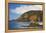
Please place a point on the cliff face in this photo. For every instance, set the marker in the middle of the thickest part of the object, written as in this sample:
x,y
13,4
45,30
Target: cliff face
x,y
25,17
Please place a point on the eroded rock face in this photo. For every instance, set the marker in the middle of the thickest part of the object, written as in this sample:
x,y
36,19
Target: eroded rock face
x,y
33,15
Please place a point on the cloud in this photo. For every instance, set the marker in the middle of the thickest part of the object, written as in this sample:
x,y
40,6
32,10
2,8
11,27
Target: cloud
x,y
25,8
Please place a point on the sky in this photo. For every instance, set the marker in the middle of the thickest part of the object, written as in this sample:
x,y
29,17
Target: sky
x,y
16,10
